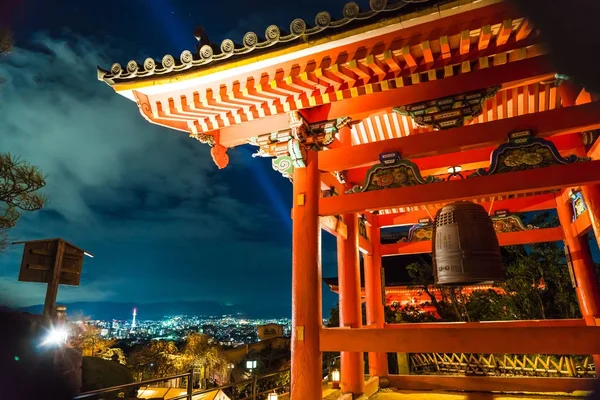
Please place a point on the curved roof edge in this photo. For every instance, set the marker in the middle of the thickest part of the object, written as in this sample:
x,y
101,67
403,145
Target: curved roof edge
x,y
274,38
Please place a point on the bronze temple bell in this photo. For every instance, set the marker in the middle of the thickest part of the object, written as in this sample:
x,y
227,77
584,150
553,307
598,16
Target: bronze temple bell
x,y
465,246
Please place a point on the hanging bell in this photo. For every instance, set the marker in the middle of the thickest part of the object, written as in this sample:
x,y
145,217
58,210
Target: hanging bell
x,y
465,246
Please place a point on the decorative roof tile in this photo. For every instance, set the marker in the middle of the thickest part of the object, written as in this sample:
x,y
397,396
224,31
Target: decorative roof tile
x,y
274,37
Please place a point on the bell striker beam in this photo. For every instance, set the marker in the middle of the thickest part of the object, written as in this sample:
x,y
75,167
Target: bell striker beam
x,y
306,283
378,365
580,259
352,363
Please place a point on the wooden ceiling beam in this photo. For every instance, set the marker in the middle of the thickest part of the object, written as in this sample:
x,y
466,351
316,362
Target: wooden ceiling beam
x,y
504,238
409,59
358,108
543,124
524,30
527,181
506,74
506,29
516,205
427,52
465,42
445,47
484,37
468,159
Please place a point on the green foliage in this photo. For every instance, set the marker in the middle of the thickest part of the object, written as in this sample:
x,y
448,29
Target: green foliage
x,y
268,360
19,186
538,286
199,354
153,360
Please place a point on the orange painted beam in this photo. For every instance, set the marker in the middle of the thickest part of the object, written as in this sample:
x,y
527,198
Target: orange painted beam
x,y
532,323
491,383
505,239
485,339
365,245
582,225
468,159
358,108
506,74
594,152
236,134
527,181
522,204
470,137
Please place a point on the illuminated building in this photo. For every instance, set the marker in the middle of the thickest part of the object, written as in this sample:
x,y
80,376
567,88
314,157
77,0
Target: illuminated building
x,y
367,115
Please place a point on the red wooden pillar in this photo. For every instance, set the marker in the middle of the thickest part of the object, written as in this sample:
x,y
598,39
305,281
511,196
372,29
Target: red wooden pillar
x,y
591,196
306,377
378,365
352,363
588,292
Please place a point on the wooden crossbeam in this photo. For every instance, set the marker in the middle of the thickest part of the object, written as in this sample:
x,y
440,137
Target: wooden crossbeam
x,y
484,339
582,225
547,123
521,204
505,239
468,159
491,383
527,181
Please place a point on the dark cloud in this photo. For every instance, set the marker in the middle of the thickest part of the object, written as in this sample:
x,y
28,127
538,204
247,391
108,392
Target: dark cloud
x,y
147,201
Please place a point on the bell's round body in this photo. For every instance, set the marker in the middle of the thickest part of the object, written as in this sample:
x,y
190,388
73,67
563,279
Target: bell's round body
x,y
465,246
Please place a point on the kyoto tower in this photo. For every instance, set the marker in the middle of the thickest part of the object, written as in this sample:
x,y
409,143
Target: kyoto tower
x,y
133,320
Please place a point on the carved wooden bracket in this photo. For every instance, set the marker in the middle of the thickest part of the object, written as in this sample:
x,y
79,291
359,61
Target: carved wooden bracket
x,y
522,152
448,112
393,174
289,146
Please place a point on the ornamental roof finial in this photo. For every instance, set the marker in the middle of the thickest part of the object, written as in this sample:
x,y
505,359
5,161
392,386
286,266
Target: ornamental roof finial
x,y
201,36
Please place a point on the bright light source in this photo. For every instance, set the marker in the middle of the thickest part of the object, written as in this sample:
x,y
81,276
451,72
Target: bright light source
x,y
56,336
335,378
455,170
250,364
273,396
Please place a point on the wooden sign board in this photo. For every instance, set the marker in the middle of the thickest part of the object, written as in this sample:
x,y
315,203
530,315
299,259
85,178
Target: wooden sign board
x,y
39,259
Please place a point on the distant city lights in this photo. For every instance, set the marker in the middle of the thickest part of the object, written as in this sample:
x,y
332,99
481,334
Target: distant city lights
x,y
225,330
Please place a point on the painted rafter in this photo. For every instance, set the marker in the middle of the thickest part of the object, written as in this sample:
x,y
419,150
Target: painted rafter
x,y
243,102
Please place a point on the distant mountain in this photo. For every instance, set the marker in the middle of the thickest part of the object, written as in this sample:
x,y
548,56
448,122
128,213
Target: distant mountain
x,y
122,311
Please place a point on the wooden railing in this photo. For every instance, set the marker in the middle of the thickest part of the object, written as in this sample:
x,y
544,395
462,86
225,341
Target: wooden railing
x,y
536,365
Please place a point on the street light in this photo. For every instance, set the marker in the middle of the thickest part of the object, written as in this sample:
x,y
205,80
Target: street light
x,y
251,364
56,336
273,396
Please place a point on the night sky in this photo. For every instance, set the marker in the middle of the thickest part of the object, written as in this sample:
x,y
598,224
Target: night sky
x,y
163,223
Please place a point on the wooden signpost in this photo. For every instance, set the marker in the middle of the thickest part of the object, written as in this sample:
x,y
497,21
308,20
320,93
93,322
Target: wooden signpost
x,y
52,261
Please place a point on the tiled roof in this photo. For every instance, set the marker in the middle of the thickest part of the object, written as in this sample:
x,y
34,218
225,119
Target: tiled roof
x,y
274,37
